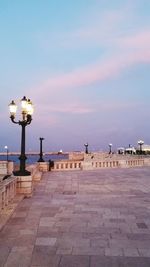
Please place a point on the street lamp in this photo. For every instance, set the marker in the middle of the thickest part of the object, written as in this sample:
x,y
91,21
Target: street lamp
x,y
41,152
6,147
140,143
27,111
110,148
86,148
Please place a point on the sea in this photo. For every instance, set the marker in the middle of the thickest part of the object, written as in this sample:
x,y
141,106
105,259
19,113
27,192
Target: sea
x,y
34,158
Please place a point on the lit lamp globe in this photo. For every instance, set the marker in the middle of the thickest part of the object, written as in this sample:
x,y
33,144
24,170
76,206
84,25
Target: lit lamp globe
x,y
12,108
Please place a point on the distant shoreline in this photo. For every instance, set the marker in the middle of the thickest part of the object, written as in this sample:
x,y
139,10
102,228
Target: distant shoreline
x,y
33,153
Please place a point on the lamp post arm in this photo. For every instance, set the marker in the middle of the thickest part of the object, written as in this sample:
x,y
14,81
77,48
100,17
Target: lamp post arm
x,y
29,119
13,119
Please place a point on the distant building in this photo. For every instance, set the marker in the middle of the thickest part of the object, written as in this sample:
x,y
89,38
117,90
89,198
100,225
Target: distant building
x,y
146,149
128,150
121,150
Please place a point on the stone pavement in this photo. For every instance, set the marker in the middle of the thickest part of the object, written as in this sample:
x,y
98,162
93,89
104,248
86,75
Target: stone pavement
x,y
81,219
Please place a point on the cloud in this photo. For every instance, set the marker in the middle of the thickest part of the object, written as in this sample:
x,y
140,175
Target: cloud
x,y
71,108
127,50
104,70
139,40
94,27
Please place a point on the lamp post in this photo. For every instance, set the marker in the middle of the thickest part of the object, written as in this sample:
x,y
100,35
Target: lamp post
x,y
41,151
27,111
6,147
140,143
86,148
110,148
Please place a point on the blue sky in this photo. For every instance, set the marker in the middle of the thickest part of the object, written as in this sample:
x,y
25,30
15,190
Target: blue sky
x,y
85,64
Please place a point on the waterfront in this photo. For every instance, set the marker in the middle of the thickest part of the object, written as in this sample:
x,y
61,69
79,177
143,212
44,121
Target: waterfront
x,y
32,158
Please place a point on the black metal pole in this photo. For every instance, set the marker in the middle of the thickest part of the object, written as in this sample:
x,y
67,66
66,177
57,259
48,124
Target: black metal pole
x,y
41,151
7,154
140,148
7,160
22,171
109,149
86,148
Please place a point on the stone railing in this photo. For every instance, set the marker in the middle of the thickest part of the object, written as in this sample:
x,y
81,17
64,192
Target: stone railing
x,y
6,167
7,191
62,165
115,163
67,165
92,164
18,185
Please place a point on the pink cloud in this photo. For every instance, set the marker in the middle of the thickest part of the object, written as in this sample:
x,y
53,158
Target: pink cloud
x,y
131,50
96,72
74,109
139,40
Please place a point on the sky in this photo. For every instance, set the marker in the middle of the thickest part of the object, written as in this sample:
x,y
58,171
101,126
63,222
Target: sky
x,y
85,65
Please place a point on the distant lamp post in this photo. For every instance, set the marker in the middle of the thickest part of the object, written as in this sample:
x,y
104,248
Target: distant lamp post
x,y
6,147
140,143
41,151
86,148
27,111
110,148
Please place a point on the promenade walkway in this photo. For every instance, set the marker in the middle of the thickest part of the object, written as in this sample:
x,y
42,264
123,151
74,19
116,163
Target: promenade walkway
x,y
81,219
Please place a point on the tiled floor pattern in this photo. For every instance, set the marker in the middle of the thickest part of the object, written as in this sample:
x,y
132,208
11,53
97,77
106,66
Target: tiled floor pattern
x,y
82,219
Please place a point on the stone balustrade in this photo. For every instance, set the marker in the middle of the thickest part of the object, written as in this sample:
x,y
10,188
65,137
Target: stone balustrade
x,y
18,185
91,164
117,163
7,191
62,165
6,167
66,165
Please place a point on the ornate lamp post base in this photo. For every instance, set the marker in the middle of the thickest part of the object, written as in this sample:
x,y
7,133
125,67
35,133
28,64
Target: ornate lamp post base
x,y
21,173
41,160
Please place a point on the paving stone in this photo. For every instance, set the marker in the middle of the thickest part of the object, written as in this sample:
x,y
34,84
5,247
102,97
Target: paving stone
x,y
74,261
131,252
45,241
19,256
4,252
64,251
45,256
113,251
81,250
46,221
101,243
144,252
98,261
